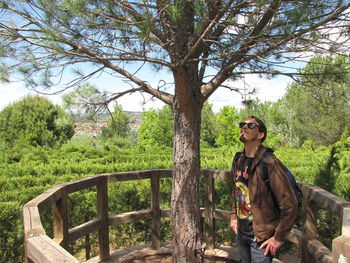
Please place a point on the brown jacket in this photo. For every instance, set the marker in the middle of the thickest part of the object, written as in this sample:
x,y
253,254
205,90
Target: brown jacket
x,y
273,204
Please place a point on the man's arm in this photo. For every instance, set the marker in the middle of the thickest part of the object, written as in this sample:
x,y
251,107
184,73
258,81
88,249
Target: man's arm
x,y
284,197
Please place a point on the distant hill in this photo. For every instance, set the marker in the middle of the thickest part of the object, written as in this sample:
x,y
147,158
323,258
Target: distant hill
x,y
93,128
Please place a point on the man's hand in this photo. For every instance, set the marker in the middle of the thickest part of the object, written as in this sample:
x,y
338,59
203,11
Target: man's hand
x,y
272,246
233,225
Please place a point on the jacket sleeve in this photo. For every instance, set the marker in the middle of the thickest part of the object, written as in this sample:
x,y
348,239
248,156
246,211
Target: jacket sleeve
x,y
284,197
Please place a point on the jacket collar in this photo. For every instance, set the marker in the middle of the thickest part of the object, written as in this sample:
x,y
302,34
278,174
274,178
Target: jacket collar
x,y
258,156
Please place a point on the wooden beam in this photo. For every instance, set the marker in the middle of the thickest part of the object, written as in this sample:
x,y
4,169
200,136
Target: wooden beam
x,y
155,207
31,222
42,249
209,230
319,252
102,214
45,200
83,230
294,236
83,183
130,217
222,214
60,220
309,232
325,199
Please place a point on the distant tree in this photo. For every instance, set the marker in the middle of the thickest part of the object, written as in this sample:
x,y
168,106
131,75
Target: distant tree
x,y
201,44
85,101
118,128
319,102
156,128
118,124
35,121
228,119
209,125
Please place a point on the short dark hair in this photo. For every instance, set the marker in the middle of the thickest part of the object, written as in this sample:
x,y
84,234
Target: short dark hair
x,y
262,126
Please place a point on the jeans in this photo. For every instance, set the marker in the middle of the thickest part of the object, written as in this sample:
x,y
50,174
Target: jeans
x,y
249,250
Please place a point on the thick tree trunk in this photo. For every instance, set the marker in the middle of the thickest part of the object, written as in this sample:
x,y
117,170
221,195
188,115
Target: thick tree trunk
x,y
186,165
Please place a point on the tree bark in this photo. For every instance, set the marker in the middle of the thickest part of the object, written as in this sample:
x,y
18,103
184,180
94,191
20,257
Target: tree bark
x,y
186,168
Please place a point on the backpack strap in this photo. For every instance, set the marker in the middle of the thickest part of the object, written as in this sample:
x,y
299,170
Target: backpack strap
x,y
236,160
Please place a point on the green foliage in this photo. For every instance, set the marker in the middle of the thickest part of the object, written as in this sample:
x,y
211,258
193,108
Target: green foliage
x,y
85,100
118,124
118,130
34,121
209,126
319,103
156,129
228,119
341,169
11,238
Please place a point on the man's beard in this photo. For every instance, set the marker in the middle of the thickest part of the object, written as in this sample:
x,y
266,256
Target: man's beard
x,y
242,139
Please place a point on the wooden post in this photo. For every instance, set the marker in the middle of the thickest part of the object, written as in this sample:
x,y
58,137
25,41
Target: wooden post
x,y
209,212
102,213
155,206
60,220
309,219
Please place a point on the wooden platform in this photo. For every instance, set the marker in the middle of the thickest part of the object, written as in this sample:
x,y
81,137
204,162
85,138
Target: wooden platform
x,y
144,254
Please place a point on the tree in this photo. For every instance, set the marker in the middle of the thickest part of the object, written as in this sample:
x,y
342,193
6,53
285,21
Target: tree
x,y
228,119
85,101
118,128
319,101
201,44
156,129
35,121
209,125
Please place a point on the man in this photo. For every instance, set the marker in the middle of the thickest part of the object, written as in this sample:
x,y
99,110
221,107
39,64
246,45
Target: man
x,y
264,206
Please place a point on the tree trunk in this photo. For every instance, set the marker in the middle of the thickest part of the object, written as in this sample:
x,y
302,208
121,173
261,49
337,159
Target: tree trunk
x,y
185,210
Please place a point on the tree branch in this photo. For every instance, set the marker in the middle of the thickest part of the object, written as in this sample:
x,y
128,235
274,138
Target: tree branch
x,y
238,58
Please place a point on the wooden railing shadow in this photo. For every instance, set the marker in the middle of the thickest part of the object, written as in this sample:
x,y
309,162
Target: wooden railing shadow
x,y
41,248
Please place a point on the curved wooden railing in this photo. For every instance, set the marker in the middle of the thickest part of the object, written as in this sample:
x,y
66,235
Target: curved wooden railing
x,y
40,248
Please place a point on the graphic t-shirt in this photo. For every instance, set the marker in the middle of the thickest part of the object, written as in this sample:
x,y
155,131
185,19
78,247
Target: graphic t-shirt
x,y
244,213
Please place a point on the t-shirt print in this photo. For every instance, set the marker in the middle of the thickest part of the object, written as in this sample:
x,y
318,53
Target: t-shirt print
x,y
242,192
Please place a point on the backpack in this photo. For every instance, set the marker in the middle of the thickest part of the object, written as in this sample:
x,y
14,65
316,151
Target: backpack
x,y
297,192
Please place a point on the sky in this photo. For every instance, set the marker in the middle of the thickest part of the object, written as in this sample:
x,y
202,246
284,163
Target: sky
x,y
266,90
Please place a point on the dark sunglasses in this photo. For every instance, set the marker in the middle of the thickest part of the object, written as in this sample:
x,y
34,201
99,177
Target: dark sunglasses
x,y
250,125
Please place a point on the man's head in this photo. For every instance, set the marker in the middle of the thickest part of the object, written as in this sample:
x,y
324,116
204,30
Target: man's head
x,y
253,128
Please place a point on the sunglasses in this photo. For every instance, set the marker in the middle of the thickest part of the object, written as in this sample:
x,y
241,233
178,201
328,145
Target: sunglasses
x,y
250,125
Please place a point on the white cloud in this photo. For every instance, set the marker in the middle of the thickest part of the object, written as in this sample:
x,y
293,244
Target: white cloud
x,y
14,91
266,90
138,102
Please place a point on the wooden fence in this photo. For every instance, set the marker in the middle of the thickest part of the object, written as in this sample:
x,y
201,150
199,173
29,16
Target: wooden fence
x,y
40,248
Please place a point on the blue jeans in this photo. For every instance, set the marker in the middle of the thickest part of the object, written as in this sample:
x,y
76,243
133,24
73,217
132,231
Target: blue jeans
x,y
249,250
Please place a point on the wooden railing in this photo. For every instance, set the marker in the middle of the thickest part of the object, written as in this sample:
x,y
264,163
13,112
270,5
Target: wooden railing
x,y
40,248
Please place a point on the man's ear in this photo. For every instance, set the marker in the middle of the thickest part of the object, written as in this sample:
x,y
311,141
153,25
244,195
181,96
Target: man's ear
x,y
261,135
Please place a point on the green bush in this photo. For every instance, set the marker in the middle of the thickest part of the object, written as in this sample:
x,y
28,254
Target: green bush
x,y
35,121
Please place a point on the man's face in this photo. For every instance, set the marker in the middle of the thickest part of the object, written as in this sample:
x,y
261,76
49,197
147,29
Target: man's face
x,y
250,131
